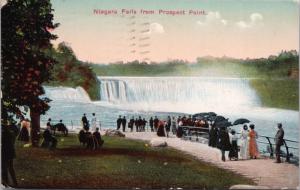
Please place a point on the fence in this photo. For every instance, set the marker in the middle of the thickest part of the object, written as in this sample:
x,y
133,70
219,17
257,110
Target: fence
x,y
188,132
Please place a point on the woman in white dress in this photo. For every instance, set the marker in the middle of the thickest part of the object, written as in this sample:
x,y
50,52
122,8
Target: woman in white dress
x,y
244,152
94,122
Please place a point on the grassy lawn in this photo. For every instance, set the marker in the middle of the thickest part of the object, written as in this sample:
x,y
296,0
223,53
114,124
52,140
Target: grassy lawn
x,y
121,163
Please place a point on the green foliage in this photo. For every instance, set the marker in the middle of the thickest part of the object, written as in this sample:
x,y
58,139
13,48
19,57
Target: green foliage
x,y
141,69
116,166
26,27
277,93
69,71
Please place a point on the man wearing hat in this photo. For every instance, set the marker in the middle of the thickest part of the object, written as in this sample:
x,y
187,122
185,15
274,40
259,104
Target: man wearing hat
x,y
278,142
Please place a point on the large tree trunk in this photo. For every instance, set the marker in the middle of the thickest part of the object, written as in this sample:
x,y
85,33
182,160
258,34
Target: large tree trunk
x,y
35,128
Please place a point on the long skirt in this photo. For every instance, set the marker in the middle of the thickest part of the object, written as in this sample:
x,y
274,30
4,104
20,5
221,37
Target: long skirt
x,y
24,135
253,149
233,153
244,149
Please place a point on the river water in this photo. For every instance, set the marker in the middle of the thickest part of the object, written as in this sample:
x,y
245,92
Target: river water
x,y
163,96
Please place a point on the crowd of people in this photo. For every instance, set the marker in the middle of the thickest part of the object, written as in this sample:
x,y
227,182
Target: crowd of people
x,y
224,138
171,124
89,136
227,140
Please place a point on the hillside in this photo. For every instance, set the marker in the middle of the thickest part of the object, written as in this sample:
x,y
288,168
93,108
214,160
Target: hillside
x,y
71,72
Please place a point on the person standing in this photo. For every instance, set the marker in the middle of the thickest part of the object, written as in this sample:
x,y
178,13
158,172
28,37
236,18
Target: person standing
x,y
151,124
124,121
8,153
85,122
244,153
161,129
144,124
24,133
224,142
119,121
156,123
213,134
253,149
52,128
234,152
131,123
140,124
167,127
173,123
97,137
94,122
278,142
136,123
169,123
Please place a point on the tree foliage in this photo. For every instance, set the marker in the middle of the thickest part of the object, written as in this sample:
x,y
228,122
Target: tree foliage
x,y
26,35
69,71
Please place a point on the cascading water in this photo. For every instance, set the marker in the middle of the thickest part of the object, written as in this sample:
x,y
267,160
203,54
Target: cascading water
x,y
67,94
205,93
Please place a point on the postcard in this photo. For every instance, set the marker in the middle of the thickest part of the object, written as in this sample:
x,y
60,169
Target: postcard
x,y
150,94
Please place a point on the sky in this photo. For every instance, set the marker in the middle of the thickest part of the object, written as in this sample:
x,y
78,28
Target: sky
x,y
234,28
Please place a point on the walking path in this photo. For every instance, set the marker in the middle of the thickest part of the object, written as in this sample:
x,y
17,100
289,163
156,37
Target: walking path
x,y
264,171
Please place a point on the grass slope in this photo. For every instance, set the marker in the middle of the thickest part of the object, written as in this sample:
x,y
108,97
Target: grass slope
x,y
117,165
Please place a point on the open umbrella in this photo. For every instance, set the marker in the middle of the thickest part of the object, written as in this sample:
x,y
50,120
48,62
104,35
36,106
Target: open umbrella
x,y
240,121
218,118
223,123
212,114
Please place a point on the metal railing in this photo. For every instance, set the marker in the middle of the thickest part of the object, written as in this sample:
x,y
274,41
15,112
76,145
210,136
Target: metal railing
x,y
189,131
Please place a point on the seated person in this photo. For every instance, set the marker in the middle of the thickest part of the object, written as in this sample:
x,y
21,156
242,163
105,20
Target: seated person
x,y
49,140
82,137
61,127
97,138
90,141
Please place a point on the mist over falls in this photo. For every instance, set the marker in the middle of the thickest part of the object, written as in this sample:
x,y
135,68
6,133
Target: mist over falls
x,y
208,93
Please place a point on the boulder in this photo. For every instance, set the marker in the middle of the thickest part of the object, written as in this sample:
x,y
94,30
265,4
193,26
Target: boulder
x,y
114,133
158,143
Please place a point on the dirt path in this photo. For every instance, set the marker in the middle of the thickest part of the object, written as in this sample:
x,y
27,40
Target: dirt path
x,y
264,171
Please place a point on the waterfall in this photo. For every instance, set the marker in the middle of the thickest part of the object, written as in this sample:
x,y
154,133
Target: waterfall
x,y
203,92
77,94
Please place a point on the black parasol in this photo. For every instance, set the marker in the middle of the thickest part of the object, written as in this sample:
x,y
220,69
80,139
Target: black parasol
x,y
240,121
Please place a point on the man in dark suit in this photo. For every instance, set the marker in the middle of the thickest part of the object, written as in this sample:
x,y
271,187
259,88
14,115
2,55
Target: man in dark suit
x,y
278,142
151,124
8,153
119,121
124,121
85,122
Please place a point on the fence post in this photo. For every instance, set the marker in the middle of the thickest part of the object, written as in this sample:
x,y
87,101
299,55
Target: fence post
x,y
287,151
271,148
72,124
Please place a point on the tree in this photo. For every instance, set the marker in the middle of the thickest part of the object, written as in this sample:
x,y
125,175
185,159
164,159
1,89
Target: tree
x,y
26,35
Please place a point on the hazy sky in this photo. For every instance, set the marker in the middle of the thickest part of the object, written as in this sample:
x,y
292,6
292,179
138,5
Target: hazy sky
x,y
235,28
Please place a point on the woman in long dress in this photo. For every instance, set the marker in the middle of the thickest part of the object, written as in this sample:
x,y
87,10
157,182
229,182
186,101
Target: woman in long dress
x,y
244,153
253,149
24,133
